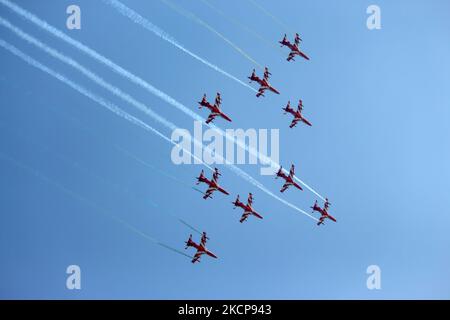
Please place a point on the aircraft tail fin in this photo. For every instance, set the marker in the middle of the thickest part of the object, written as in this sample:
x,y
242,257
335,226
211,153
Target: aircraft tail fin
x,y
200,177
189,242
236,202
279,172
314,206
287,108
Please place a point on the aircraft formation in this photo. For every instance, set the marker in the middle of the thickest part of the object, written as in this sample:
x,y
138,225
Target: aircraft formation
x,y
214,108
289,178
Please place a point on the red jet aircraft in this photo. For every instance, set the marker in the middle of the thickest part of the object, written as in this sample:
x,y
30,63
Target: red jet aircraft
x,y
201,248
215,108
297,114
289,179
323,212
294,47
264,83
213,185
248,210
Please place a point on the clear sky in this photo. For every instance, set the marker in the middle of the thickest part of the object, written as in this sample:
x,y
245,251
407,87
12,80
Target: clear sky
x,y
379,101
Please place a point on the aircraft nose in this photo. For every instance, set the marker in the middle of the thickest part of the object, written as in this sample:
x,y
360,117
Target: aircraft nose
x,y
212,255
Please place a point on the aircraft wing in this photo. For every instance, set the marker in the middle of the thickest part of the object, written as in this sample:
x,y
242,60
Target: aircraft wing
x,y
209,192
292,171
204,239
294,123
197,256
285,186
262,89
326,205
244,217
211,117
250,199
320,221
218,100
291,55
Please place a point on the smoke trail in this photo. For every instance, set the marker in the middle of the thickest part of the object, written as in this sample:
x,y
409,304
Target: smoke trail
x,y
84,71
57,33
122,150
86,201
95,55
132,119
101,179
44,25
167,175
241,25
110,106
189,226
138,19
148,165
284,26
71,162
68,160
196,19
116,91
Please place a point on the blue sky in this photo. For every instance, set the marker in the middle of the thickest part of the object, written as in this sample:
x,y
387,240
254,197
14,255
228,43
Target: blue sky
x,y
378,148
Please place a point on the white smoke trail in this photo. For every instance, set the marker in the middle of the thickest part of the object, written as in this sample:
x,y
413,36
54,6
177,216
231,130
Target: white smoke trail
x,y
243,26
283,25
148,165
116,91
138,19
103,180
95,55
196,19
110,106
80,198
135,79
190,227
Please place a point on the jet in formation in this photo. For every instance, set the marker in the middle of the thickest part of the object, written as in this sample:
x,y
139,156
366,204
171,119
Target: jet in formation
x,y
248,209
214,108
201,248
264,82
323,212
296,113
295,51
213,185
289,179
